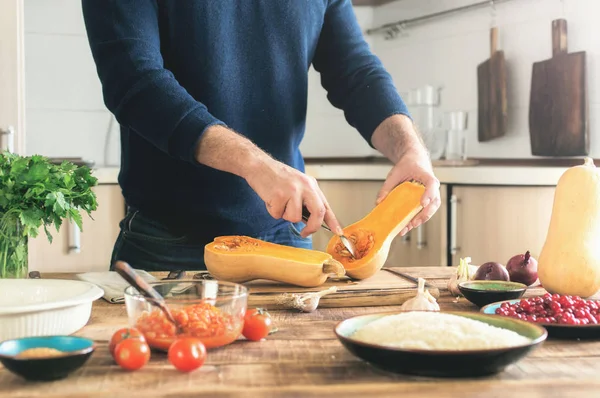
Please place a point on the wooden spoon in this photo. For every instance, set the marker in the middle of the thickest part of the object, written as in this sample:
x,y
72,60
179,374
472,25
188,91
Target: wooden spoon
x,y
148,291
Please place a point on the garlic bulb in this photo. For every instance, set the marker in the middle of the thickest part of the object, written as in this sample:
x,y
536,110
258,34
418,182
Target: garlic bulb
x,y
423,301
305,302
464,272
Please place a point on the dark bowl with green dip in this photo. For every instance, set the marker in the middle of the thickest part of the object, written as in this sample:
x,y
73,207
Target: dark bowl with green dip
x,y
482,293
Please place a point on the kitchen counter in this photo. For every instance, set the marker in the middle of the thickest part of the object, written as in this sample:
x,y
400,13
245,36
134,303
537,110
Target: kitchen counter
x,y
473,172
305,359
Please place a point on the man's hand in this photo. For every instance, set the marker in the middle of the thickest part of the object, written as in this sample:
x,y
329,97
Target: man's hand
x,y
397,139
283,189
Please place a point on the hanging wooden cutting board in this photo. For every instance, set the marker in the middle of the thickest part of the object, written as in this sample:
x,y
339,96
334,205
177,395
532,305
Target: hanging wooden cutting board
x,y
383,288
558,112
492,106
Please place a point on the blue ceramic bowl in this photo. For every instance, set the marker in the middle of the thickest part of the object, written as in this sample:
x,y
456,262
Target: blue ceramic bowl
x,y
75,351
483,293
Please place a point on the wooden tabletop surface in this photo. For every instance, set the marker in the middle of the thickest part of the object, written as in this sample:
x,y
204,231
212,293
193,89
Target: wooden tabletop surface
x,y
304,359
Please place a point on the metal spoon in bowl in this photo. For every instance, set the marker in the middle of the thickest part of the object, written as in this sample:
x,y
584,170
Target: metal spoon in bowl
x,y
345,241
148,291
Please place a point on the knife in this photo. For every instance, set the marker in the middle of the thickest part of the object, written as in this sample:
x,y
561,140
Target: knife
x,y
406,276
345,241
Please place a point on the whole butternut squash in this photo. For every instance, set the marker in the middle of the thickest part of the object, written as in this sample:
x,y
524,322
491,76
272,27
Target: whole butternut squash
x,y
569,262
242,259
373,235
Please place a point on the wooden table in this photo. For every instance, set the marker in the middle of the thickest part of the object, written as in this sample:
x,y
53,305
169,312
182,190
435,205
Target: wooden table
x,y
304,359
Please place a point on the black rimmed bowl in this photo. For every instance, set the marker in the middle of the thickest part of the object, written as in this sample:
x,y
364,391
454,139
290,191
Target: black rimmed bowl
x,y
73,353
482,293
441,363
555,330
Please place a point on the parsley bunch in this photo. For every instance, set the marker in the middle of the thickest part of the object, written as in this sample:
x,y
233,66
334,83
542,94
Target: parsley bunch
x,y
38,193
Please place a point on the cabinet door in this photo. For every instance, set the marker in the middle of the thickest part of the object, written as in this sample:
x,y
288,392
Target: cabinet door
x,y
428,242
91,250
495,223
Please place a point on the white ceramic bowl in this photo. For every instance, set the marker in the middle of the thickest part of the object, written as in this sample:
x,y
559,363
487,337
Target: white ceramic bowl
x,y
44,307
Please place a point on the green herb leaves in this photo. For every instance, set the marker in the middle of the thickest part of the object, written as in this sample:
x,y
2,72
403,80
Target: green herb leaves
x,y
38,193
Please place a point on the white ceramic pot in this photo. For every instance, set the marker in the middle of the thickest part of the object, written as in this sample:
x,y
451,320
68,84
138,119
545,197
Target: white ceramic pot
x,y
44,307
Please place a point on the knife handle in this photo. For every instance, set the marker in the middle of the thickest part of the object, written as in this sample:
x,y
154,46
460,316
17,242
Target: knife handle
x,y
306,215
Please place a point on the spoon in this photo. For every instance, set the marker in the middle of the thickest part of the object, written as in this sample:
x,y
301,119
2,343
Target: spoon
x,y
148,291
345,241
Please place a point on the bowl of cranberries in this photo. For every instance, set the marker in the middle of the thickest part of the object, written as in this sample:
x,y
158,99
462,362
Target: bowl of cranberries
x,y
561,315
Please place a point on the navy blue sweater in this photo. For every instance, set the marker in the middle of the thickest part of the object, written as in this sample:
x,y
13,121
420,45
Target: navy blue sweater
x,y
170,69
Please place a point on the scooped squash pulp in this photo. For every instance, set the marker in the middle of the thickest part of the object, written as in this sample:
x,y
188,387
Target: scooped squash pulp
x,y
569,263
242,259
373,235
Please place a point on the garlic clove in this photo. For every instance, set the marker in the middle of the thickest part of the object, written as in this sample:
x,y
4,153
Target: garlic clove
x,y
306,302
423,301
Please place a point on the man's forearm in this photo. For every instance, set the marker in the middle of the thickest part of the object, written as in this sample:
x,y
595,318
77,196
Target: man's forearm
x,y
225,150
396,135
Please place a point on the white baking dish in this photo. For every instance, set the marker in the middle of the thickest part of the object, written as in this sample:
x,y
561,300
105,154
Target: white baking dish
x,y
44,307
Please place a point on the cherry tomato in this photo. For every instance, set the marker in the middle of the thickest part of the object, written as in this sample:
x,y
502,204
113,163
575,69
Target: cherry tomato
x,y
257,324
187,354
122,334
132,354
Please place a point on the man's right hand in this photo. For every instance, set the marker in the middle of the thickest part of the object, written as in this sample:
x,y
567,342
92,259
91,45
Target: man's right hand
x,y
285,190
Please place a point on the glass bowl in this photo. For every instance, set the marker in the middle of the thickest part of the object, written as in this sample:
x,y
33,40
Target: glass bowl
x,y
212,311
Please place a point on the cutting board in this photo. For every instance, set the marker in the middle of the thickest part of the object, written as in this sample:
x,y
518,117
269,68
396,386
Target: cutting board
x,y
558,110
491,91
383,288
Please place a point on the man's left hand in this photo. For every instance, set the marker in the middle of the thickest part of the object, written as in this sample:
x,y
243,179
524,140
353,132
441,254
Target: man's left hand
x,y
415,165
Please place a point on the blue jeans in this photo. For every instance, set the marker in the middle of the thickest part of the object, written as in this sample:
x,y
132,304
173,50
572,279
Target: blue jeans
x,y
146,244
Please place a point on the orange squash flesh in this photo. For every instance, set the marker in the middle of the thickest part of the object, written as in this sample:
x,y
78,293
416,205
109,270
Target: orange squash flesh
x,y
242,259
373,235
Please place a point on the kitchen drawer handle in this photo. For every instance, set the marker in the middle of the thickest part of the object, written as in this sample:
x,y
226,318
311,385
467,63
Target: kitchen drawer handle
x,y
10,138
74,238
453,227
406,238
421,242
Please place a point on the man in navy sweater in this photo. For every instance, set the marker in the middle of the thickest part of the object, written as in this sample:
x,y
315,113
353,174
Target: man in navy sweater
x,y
211,98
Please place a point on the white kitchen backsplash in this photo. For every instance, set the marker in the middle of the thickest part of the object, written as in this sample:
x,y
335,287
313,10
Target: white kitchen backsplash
x,y
446,51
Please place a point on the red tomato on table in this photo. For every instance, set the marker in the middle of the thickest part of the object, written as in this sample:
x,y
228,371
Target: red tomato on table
x,y
122,334
257,324
132,354
187,354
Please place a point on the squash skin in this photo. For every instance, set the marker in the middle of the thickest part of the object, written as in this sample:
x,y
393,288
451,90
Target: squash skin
x,y
256,259
569,263
385,222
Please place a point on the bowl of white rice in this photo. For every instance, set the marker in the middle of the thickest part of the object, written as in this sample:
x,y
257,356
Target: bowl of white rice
x,y
439,344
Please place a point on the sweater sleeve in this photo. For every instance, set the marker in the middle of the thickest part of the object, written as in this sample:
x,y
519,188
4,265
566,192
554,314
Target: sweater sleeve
x,y
143,95
354,78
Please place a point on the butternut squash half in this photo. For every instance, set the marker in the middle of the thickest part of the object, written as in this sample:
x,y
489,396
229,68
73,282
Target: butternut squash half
x,y
569,262
242,259
373,235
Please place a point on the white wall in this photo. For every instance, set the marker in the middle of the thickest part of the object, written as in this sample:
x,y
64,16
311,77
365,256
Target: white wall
x,y
327,132
445,52
65,114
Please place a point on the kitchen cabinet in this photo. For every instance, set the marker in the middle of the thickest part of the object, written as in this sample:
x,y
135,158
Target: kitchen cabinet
x,y
352,200
493,223
88,250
